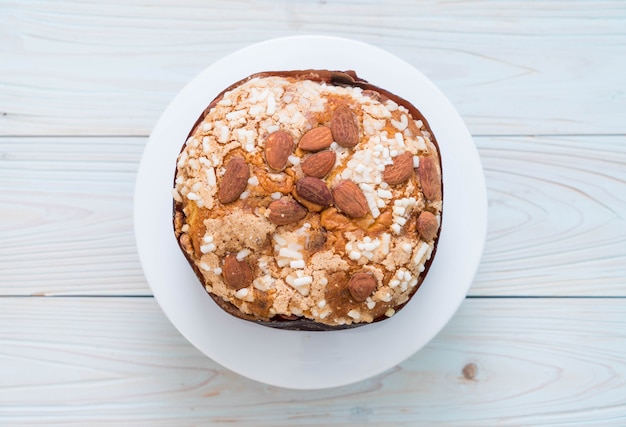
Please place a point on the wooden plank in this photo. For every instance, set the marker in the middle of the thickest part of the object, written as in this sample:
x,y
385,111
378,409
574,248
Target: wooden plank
x,y
510,67
557,216
506,362
67,216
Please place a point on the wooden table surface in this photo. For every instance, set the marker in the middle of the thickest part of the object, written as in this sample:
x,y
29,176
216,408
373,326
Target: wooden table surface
x,y
541,337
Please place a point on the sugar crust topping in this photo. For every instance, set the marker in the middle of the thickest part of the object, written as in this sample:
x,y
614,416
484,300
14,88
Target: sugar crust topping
x,y
303,268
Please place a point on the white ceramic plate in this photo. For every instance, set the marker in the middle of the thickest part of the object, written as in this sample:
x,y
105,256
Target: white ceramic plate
x,y
311,360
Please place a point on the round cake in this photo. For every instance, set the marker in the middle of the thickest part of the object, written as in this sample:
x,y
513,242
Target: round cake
x,y
309,200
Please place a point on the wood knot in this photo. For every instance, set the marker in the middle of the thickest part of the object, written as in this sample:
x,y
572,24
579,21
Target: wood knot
x,y
469,371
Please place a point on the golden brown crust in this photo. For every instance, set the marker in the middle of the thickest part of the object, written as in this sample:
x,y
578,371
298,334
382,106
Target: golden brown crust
x,y
332,224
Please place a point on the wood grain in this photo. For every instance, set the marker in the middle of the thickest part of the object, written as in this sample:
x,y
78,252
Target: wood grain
x,y
499,362
511,67
67,216
557,216
540,84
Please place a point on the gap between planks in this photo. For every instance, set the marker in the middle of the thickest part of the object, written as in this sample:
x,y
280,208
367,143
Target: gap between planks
x,y
475,135
478,297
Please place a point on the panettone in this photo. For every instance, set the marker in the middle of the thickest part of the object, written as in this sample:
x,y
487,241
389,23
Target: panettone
x,y
309,200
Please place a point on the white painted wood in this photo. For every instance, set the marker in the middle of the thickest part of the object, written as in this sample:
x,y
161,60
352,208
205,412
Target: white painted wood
x,y
510,67
557,216
95,361
81,86
66,216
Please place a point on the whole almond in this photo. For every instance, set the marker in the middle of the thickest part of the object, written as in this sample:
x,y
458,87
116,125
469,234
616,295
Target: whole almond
x,y
401,169
278,148
237,274
430,178
234,181
286,211
350,199
314,190
361,285
344,127
319,164
427,226
316,139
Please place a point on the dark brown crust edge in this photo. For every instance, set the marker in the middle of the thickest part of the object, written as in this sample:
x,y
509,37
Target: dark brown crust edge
x,y
338,78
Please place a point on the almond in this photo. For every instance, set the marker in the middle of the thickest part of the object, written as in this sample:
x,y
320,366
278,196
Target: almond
x,y
237,274
427,226
314,190
361,285
278,148
316,240
319,164
430,178
316,139
350,199
234,181
400,171
286,211
376,96
344,127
